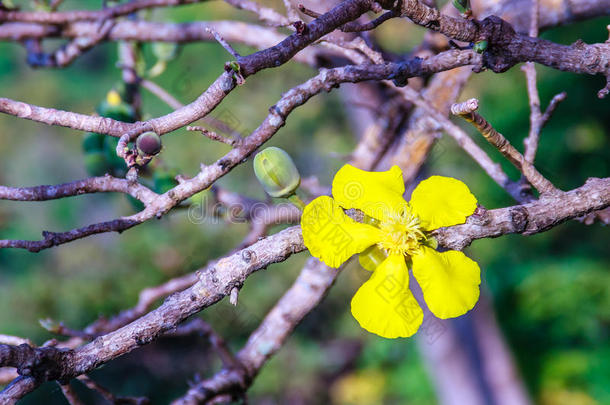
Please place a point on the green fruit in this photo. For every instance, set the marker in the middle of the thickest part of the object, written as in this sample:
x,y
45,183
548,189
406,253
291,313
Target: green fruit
x,y
276,172
96,164
93,142
149,143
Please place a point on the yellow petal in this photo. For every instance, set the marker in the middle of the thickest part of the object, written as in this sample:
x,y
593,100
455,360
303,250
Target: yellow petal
x,y
384,304
450,281
442,201
378,194
372,257
332,236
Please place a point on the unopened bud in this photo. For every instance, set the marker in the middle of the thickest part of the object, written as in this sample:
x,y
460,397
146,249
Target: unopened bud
x,y
165,51
276,172
463,6
149,143
480,47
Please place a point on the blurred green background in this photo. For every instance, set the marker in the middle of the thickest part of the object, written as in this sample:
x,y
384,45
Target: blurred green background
x,y
551,291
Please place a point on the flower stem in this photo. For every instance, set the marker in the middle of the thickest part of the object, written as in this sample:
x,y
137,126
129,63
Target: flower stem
x,y
296,201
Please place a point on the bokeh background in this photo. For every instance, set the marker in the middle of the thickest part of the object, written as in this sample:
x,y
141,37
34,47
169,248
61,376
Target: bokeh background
x,y
550,292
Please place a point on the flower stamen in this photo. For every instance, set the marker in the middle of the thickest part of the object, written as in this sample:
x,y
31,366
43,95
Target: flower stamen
x,y
402,233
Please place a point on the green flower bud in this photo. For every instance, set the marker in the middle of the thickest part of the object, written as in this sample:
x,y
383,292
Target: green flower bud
x,y
165,51
149,143
234,66
480,46
276,172
463,6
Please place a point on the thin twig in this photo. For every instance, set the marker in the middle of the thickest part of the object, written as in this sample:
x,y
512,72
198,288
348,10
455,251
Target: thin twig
x,y
354,26
291,11
161,93
493,169
109,396
224,43
308,12
212,135
531,142
204,329
548,113
69,394
266,14
467,111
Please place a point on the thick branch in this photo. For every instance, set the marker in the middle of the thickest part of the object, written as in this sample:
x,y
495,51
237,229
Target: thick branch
x,y
105,184
505,46
326,80
79,15
211,286
227,273
302,297
528,219
206,102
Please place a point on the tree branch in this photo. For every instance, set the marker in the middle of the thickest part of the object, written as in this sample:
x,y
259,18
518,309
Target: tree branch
x,y
507,47
64,17
104,184
210,287
531,218
467,110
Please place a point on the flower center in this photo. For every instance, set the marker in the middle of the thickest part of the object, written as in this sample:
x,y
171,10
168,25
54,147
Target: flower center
x,y
401,233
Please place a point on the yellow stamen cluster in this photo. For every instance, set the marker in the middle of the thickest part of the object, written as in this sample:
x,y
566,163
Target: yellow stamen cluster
x,y
402,233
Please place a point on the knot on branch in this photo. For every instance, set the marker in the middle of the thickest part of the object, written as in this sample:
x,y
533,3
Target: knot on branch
x,y
405,70
44,363
500,35
519,219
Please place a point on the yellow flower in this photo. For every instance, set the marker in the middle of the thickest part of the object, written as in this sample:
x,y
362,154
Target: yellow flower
x,y
394,235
